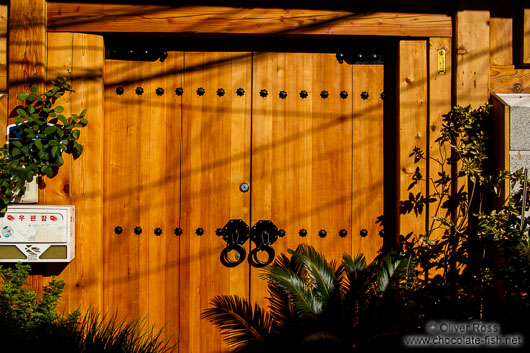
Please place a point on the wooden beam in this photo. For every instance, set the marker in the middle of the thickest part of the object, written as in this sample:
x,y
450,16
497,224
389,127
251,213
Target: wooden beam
x,y
501,138
472,57
78,17
508,79
526,37
501,42
412,110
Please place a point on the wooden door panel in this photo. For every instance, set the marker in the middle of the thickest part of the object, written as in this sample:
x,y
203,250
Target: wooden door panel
x,y
216,160
142,189
301,151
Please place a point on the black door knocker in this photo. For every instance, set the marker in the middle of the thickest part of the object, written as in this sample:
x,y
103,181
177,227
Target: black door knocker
x,y
263,234
235,233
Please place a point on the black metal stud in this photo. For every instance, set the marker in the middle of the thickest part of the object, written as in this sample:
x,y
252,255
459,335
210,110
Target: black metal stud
x,y
178,231
219,231
137,230
118,230
179,91
282,94
199,231
382,233
159,91
200,91
343,94
281,233
158,231
364,95
119,91
341,57
322,233
324,94
363,233
343,233
303,94
263,93
220,92
240,91
302,232
382,95
139,91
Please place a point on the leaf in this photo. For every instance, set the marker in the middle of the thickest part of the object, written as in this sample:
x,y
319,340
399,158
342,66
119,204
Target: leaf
x,y
75,134
22,96
19,121
21,112
53,143
31,109
34,89
38,144
15,152
50,130
55,151
78,150
58,109
239,323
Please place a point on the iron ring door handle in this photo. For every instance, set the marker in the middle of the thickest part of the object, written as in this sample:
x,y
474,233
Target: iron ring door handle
x,y
255,261
240,257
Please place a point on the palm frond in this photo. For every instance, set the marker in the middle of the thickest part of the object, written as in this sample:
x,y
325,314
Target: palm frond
x,y
239,323
391,270
320,273
355,264
281,309
304,301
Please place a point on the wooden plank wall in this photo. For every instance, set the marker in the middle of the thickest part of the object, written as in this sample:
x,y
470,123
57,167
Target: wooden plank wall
x,y
3,73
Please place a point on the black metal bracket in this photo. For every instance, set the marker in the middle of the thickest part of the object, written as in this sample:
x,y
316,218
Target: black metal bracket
x,y
264,233
235,233
360,57
136,54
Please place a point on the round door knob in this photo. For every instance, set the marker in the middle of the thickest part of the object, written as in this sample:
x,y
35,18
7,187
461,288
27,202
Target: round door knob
x,y
159,91
302,232
363,233
304,94
119,91
240,92
244,187
322,233
220,92
364,95
199,231
200,91
137,230
139,91
178,231
324,94
158,231
179,91
343,94
263,93
118,230
283,94
343,233
281,233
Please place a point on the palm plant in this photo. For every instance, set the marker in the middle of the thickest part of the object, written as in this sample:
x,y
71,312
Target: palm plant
x,y
313,304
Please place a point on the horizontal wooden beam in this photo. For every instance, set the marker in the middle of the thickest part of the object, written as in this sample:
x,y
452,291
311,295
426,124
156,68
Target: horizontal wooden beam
x,y
507,79
101,18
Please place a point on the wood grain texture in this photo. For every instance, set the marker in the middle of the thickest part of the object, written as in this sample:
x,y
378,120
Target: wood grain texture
x,y
86,184
439,104
508,79
142,189
413,115
231,20
526,36
501,123
215,160
472,57
501,41
3,49
368,163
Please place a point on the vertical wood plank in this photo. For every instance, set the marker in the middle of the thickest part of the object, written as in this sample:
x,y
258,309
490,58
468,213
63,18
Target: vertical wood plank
x,y
3,74
501,41
368,163
27,63
86,185
526,36
439,104
216,136
412,111
472,57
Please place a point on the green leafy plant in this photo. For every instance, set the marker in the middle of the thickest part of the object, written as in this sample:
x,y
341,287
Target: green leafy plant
x,y
31,322
43,135
314,305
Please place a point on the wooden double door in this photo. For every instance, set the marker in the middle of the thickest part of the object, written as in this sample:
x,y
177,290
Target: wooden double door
x,y
312,157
